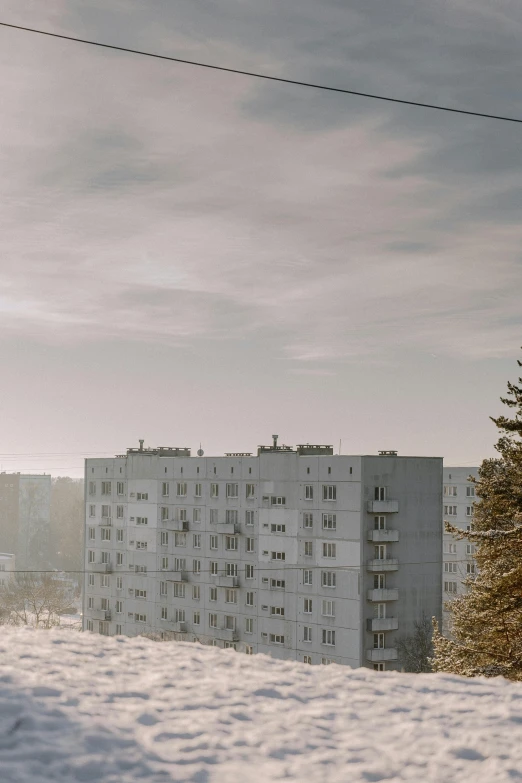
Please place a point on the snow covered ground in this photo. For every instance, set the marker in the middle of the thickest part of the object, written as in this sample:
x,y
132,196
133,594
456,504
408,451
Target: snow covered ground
x,y
80,707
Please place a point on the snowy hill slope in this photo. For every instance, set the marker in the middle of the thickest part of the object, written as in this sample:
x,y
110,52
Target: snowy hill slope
x,y
80,707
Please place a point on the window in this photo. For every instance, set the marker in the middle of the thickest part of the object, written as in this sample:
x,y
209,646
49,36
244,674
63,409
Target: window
x,y
142,495
91,580
196,515
307,659
450,549
164,513
379,611
329,550
119,512
329,522
249,571
92,533
249,518
92,487
140,569
450,511
230,622
212,594
277,584
378,641
140,618
92,510
106,558
469,511
277,611
141,545
231,543
471,568
164,539
142,520
329,492
250,545
250,491
214,490
328,609
181,489
105,580
106,512
379,552
182,514
379,523
196,566
249,600
163,588
328,578
379,493
164,613
307,633
140,593
278,556
90,602
232,491
196,592
180,539
178,590
470,549
450,491
277,528
307,606
309,492
197,491
450,568
90,556
231,569
119,583
276,638
450,587
196,540
119,558
164,563
470,492
118,630
308,520
379,581
90,625
213,568
230,596
212,620
120,488
307,577
231,516
277,501
213,542
309,548
165,489
196,618
249,625
104,629
106,487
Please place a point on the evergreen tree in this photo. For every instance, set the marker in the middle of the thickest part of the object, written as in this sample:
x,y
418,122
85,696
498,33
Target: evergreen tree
x,y
486,625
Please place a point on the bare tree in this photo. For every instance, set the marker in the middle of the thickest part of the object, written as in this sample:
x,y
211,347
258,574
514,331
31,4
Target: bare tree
x,y
32,599
416,651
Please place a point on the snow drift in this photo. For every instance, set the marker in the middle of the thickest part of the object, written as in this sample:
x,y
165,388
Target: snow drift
x,y
80,707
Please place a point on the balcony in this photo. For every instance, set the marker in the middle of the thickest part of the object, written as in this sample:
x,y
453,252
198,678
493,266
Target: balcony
x,y
228,528
377,596
386,564
100,614
382,654
178,627
105,522
101,568
383,506
226,634
383,536
227,581
177,576
382,624
180,526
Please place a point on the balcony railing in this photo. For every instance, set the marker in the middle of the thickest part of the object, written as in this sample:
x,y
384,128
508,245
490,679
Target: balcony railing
x,y
228,528
227,581
383,536
382,624
177,576
180,526
105,521
384,564
386,594
382,654
101,568
383,506
100,614
226,634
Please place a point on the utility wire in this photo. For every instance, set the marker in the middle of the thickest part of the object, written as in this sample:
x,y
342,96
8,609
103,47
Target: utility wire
x,y
265,76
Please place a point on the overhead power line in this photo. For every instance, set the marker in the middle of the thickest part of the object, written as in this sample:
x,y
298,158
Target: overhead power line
x,y
264,76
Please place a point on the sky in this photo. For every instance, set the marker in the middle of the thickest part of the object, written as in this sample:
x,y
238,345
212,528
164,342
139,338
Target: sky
x,y
188,256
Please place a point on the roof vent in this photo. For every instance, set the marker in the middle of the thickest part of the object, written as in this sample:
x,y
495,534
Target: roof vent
x,y
388,453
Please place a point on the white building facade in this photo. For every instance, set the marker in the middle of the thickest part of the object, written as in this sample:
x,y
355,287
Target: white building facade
x,y
297,553
7,568
458,559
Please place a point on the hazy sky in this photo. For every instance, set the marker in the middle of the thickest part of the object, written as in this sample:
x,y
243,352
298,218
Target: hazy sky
x,y
192,256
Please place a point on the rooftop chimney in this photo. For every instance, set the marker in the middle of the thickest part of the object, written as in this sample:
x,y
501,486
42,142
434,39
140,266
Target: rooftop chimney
x,y
141,444
275,437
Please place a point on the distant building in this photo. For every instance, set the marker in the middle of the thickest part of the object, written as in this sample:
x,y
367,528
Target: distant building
x,y
297,553
25,505
458,559
7,567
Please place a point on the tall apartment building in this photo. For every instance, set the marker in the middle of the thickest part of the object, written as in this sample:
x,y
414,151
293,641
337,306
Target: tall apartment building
x,y
25,510
297,553
458,560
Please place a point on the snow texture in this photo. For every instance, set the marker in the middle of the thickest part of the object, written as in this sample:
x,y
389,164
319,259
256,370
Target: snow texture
x,y
82,707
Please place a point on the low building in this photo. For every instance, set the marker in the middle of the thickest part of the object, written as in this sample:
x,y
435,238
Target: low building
x,y
7,567
25,511
293,552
